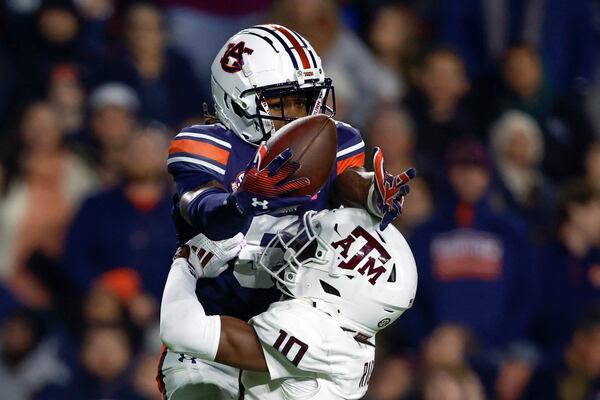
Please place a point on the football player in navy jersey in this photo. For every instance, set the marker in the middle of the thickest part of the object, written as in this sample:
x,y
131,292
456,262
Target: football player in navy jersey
x,y
264,77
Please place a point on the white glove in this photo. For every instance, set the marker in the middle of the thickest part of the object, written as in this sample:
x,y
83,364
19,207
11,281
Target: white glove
x,y
209,258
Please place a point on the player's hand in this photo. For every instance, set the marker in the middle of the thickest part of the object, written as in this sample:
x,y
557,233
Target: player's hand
x,y
209,258
261,190
389,190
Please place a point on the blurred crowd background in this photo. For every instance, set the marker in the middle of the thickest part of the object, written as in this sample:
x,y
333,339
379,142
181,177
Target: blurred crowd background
x,y
496,103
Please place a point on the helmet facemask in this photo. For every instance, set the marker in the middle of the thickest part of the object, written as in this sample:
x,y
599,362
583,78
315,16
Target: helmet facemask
x,y
297,245
317,97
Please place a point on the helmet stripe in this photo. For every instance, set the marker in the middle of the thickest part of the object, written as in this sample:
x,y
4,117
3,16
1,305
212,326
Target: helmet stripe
x,y
306,46
266,39
297,46
283,43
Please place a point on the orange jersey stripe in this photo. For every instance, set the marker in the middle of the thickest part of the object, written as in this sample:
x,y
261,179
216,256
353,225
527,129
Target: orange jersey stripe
x,y
206,150
357,160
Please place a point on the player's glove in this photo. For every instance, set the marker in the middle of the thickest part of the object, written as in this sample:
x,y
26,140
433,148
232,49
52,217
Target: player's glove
x,y
387,193
209,258
261,189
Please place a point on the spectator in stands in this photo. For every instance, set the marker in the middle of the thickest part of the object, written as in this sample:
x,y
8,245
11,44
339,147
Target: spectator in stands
x,y
163,79
116,298
468,251
125,286
447,374
393,378
526,87
568,273
113,109
392,130
567,130
51,39
29,360
437,107
592,166
576,376
128,225
518,148
101,306
395,41
43,192
449,384
106,358
448,346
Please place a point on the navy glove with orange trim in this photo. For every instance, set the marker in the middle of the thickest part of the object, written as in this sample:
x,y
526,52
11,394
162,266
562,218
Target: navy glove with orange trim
x,y
387,193
261,190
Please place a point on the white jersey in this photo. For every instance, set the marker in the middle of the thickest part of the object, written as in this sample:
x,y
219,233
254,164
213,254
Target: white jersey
x,y
309,356
187,378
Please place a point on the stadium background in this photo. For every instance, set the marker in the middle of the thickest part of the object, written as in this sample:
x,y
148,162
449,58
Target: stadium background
x,y
497,104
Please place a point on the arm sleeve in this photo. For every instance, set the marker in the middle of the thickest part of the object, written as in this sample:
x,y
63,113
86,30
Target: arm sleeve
x,y
351,148
212,215
293,347
197,157
184,326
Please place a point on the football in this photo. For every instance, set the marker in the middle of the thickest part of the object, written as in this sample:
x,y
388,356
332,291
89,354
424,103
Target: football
x,y
313,142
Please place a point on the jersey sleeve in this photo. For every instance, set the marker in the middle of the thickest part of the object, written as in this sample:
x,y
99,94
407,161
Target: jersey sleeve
x,y
292,345
351,148
197,155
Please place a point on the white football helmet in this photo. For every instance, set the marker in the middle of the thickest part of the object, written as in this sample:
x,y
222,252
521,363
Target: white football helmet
x,y
260,62
340,257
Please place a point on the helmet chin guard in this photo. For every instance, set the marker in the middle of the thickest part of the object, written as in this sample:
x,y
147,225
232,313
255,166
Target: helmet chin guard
x,y
264,62
339,257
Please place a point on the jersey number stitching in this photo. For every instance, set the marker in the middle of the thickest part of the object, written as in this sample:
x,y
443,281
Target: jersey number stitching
x,y
367,371
291,341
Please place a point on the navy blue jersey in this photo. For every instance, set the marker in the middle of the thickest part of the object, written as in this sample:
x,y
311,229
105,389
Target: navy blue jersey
x,y
204,153
478,274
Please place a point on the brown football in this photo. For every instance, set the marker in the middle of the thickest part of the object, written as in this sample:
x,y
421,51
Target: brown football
x,y
313,142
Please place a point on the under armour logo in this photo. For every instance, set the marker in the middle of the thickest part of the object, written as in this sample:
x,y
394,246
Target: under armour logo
x,y
264,204
185,357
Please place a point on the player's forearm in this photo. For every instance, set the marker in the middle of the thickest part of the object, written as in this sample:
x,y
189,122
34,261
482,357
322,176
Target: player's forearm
x,y
184,325
239,346
352,187
212,215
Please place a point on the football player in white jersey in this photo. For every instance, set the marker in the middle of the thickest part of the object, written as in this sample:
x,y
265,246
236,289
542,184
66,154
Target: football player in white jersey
x,y
342,280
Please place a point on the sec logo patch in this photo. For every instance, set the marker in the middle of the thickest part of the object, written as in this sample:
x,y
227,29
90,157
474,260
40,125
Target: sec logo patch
x,y
237,182
384,322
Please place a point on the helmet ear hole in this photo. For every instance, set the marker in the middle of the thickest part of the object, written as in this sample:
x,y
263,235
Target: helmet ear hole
x,y
237,109
327,288
392,277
